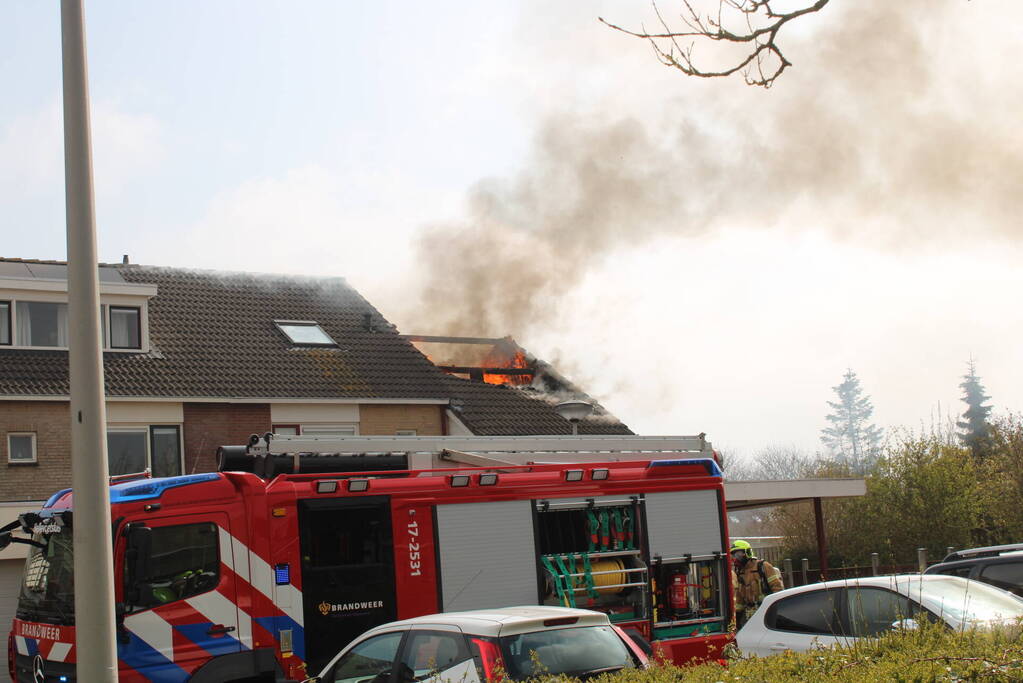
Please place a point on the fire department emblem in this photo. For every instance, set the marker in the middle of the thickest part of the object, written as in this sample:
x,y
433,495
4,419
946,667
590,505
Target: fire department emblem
x,y
324,608
37,670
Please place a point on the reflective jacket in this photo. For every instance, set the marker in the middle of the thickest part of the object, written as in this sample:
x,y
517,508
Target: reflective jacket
x,y
750,586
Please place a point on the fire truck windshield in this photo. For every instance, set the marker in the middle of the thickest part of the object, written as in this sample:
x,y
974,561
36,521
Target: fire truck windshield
x,y
47,588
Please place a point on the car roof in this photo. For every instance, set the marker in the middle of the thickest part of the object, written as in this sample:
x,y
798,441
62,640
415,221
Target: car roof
x,y
985,551
891,582
503,621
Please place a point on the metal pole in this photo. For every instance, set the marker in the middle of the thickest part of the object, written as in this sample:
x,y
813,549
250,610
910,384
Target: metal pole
x,y
921,559
875,564
789,574
95,635
806,571
822,541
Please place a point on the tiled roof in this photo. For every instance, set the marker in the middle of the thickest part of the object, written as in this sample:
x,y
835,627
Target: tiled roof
x,y
212,335
502,410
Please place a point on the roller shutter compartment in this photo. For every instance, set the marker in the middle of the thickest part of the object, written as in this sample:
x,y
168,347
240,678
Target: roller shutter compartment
x,y
684,522
487,555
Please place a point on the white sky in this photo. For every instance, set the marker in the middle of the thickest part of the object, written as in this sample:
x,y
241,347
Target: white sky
x,y
862,213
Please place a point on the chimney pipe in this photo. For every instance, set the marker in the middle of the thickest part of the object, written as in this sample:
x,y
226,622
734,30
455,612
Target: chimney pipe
x,y
124,260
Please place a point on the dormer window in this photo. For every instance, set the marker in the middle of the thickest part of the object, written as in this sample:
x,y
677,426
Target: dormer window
x,y
5,323
42,323
125,327
34,308
304,332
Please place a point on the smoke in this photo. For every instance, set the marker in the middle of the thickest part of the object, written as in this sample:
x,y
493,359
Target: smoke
x,y
885,132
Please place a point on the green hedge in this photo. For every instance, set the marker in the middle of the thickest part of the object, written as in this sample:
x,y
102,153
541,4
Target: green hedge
x,y
929,655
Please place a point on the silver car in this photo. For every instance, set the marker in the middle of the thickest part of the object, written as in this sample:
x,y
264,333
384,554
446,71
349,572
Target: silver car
x,y
839,612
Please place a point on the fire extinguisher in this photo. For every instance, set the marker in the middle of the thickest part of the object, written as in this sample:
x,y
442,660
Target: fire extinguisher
x,y
678,596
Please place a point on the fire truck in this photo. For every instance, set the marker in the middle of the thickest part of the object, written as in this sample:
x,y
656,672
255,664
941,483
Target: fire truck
x,y
263,570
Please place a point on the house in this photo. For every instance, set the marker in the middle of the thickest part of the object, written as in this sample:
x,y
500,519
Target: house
x,y
198,359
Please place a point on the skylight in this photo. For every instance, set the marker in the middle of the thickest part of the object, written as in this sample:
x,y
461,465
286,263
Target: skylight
x,y
305,332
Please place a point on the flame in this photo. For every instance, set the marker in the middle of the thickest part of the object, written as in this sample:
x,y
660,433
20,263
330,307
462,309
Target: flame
x,y
518,360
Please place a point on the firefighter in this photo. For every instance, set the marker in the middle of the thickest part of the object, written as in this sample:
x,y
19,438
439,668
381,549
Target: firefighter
x,y
752,580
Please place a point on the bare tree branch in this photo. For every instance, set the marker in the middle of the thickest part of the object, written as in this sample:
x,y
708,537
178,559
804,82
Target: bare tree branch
x,y
760,64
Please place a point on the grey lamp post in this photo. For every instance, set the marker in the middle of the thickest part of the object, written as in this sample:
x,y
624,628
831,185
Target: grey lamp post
x,y
94,570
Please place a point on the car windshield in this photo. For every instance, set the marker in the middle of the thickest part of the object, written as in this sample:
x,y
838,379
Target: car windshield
x,y
47,587
967,602
577,652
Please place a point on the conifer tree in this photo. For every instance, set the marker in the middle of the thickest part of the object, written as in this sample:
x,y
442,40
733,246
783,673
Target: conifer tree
x,y
850,436
975,433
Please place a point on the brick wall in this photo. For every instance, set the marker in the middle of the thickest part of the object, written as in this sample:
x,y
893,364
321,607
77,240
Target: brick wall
x,y
51,422
382,420
210,425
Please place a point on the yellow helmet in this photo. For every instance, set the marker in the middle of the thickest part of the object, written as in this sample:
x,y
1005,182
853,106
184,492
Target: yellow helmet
x,y
741,545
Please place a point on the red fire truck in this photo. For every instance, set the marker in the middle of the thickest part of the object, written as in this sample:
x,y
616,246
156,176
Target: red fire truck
x,y
265,569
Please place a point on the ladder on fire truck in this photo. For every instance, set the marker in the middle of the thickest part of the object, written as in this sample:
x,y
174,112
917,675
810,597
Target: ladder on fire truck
x,y
437,452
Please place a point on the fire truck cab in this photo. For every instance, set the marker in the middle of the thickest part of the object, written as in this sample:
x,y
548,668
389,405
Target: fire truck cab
x,y
264,570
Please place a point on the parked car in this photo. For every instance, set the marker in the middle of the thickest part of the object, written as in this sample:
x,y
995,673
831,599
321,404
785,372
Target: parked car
x,y
839,612
472,647
999,565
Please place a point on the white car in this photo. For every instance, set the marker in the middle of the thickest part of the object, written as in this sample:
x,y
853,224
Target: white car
x,y
839,612
472,647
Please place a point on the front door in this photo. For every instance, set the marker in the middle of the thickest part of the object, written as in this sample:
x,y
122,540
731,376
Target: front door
x,y
184,612
347,571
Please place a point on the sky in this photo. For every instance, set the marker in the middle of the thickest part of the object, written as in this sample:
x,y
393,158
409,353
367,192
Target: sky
x,y
699,255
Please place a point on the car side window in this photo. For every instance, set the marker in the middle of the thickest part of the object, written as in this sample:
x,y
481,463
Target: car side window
x,y
371,661
1006,575
811,612
957,571
873,611
429,652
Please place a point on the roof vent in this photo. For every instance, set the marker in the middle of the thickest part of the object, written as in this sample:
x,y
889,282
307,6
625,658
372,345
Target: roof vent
x,y
124,260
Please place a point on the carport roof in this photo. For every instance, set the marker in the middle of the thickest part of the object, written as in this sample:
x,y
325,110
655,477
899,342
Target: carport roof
x,y
741,495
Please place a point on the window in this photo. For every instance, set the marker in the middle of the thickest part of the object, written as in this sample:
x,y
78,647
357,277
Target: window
x,y
21,447
184,560
564,651
41,323
1007,576
330,429
405,432
958,571
125,327
812,612
5,323
166,451
127,450
372,657
873,611
430,651
305,332
133,449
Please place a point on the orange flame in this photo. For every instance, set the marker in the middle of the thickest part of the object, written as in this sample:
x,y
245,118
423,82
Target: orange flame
x,y
501,361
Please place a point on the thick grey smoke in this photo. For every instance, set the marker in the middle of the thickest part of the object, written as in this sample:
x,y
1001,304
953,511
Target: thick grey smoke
x,y
880,133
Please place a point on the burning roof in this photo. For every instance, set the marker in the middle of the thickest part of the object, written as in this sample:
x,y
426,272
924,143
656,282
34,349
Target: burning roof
x,y
502,361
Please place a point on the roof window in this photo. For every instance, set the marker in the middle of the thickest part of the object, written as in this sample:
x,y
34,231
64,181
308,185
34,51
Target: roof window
x,y
305,332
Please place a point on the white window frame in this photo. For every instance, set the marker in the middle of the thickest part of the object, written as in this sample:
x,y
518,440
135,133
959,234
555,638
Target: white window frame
x,y
9,321
35,450
304,323
105,304
329,429
147,429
